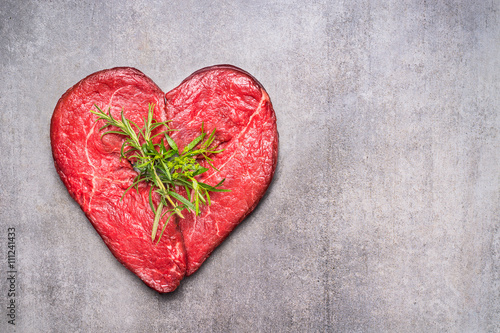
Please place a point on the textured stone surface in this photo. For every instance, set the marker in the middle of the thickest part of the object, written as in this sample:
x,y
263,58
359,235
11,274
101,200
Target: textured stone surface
x,y
384,214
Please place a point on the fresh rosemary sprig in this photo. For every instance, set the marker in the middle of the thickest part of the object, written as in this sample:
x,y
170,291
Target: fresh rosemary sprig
x,y
165,168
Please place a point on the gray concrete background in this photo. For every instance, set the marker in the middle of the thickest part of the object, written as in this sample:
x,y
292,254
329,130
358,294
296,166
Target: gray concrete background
x,y
384,212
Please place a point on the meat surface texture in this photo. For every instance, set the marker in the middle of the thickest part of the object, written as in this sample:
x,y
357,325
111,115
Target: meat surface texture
x,y
220,97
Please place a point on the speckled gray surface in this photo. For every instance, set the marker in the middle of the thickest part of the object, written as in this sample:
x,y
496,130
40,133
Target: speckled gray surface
x,y
384,214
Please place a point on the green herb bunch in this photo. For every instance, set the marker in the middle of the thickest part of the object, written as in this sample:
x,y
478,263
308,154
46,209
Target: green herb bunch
x,y
165,168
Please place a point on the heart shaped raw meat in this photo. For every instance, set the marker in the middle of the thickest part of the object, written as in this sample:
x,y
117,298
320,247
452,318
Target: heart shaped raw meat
x,y
221,97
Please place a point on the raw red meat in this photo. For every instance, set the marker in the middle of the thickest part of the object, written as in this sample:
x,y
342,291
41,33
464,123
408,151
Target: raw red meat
x,y
233,102
96,178
222,97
